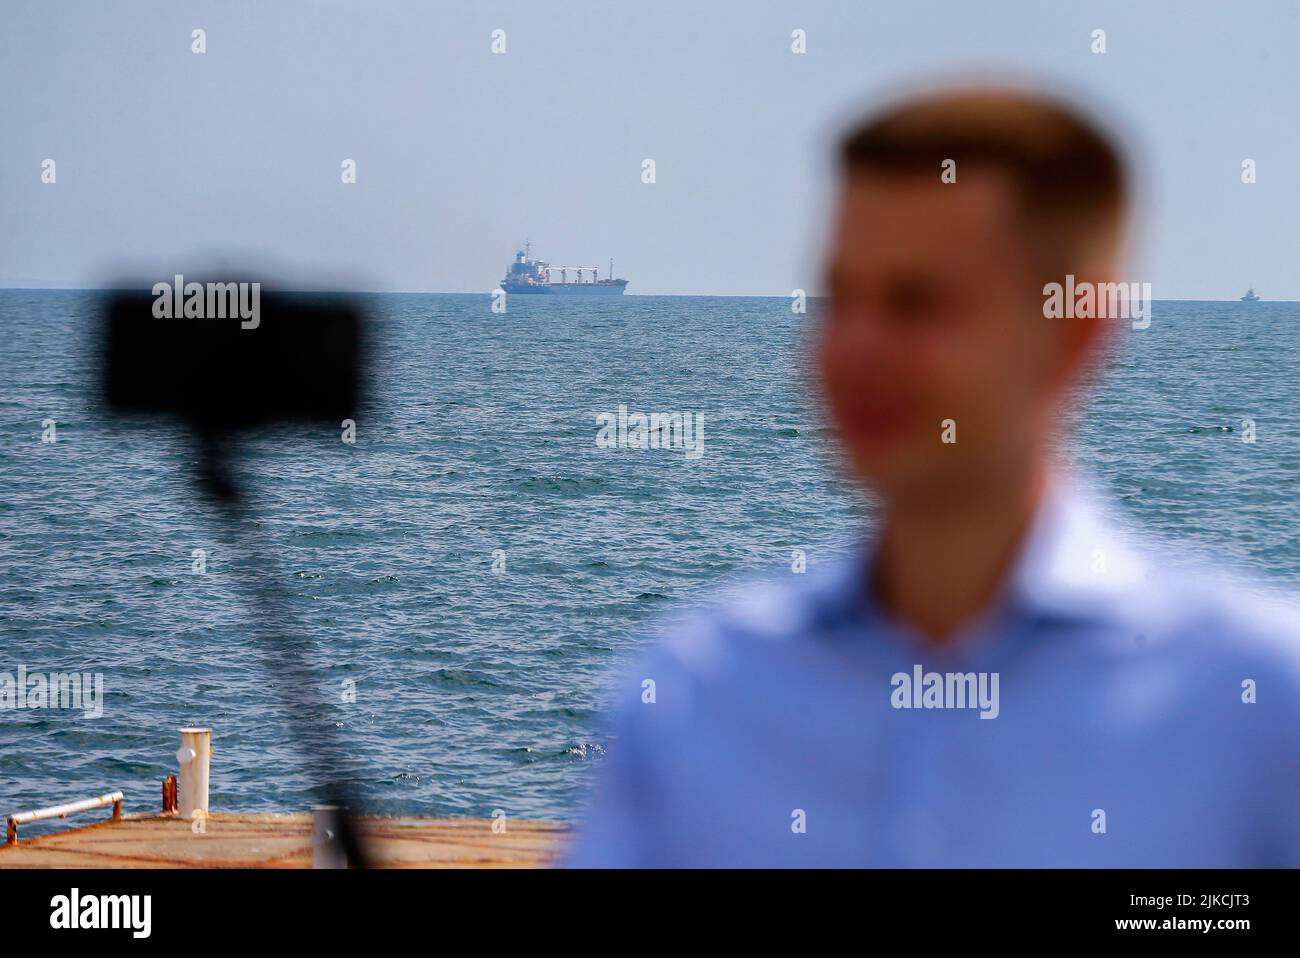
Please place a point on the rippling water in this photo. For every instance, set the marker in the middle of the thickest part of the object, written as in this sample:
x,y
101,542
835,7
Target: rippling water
x,y
478,690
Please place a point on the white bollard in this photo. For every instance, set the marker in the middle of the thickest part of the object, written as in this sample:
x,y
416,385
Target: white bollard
x,y
326,849
194,757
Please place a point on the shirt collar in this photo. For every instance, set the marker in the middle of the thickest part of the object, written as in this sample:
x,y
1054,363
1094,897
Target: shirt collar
x,y
1074,564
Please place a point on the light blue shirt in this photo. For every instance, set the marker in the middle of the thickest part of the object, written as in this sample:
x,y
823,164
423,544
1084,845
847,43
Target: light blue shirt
x,y
768,732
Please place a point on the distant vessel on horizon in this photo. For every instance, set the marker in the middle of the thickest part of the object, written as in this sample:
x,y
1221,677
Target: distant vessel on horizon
x,y
533,276
1250,296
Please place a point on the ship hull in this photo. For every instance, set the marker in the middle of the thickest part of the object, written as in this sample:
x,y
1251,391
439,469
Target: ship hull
x,y
565,289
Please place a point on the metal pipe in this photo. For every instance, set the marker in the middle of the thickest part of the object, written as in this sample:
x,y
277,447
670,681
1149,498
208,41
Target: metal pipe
x,y
326,848
194,757
63,811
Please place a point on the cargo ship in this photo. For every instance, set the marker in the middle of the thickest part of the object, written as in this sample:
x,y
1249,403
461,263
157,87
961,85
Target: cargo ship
x,y
533,276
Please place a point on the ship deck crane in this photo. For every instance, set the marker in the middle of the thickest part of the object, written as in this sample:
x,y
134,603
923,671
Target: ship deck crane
x,y
564,271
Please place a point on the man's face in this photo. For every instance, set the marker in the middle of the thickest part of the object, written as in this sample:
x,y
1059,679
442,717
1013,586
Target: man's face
x,y
934,315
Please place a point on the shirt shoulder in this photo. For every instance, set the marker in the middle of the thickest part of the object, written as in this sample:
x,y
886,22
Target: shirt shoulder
x,y
1215,620
757,618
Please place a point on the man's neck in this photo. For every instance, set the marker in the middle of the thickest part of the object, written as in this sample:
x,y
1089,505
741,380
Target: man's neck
x,y
940,564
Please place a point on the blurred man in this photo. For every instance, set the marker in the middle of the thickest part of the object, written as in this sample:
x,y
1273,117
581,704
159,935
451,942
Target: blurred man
x,y
999,679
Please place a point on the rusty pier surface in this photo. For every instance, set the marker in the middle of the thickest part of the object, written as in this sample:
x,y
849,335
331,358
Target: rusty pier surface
x,y
269,840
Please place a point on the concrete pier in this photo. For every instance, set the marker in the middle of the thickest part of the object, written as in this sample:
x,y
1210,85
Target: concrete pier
x,y
271,840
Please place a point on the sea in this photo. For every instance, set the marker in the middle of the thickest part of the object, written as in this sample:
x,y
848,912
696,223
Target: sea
x,y
472,567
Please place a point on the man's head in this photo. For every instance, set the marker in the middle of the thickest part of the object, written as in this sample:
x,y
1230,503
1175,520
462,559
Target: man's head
x,y
956,209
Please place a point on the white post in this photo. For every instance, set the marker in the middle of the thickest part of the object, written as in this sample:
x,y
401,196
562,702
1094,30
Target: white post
x,y
194,757
326,849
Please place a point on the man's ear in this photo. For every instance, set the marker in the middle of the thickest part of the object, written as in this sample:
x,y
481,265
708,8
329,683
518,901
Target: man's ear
x,y
1085,340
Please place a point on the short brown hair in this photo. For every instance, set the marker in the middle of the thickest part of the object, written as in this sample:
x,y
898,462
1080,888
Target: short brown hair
x,y
1070,180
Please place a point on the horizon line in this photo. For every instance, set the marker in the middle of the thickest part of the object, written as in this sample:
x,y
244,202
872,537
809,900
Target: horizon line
x,y
436,292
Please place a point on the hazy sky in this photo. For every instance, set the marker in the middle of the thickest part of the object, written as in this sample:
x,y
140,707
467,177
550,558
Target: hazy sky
x,y
166,157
